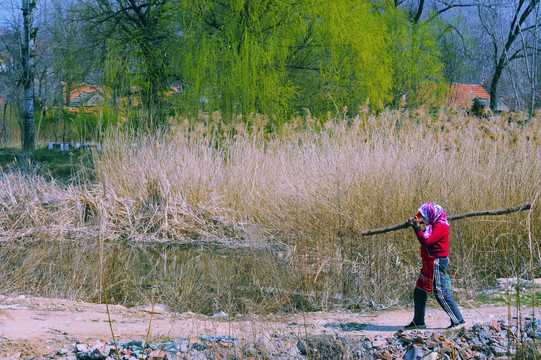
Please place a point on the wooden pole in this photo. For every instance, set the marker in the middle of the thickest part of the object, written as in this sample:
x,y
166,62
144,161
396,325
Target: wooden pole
x,y
450,218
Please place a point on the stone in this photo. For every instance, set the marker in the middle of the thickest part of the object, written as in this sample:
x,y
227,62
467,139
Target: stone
x,y
155,309
432,356
198,347
477,347
157,354
413,353
108,350
379,344
465,353
407,338
495,326
301,347
220,314
170,346
482,341
81,348
498,350
446,350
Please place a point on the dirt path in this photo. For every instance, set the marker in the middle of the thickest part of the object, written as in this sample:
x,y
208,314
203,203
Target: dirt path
x,y
30,327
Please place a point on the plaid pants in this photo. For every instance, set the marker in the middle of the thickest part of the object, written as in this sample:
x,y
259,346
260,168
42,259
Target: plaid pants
x,y
441,293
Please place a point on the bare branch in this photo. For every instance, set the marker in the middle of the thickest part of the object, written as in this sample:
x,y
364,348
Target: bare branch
x,y
451,218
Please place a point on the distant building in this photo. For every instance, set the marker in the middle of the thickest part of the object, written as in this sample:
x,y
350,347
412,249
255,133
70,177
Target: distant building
x,y
472,97
90,97
82,95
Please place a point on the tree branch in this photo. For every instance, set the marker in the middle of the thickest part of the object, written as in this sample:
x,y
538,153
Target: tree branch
x,y
453,6
419,11
451,218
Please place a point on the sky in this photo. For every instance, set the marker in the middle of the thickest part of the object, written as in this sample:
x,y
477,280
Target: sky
x,y
6,12
11,9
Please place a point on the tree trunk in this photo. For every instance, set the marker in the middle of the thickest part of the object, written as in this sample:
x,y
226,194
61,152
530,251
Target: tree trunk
x,y
40,118
28,114
156,76
494,84
503,61
28,76
4,122
64,113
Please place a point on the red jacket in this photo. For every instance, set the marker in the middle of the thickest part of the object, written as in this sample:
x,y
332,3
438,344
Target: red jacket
x,y
437,243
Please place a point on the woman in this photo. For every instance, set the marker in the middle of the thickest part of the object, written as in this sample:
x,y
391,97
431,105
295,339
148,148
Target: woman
x,y
434,240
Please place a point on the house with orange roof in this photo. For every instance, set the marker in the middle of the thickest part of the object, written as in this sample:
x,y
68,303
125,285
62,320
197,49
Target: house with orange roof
x,y
472,97
82,95
92,96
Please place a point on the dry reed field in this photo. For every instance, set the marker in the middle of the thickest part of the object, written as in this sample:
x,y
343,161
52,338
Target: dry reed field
x,y
240,217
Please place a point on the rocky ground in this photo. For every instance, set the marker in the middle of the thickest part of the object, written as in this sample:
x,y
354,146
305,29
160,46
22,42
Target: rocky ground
x,y
32,327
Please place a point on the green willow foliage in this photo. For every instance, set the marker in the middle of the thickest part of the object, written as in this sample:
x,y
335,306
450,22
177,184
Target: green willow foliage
x,y
417,66
277,56
236,55
356,52
137,34
351,52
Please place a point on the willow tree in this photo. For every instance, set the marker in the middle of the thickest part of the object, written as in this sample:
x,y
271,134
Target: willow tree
x,y
275,56
236,54
140,32
418,69
346,59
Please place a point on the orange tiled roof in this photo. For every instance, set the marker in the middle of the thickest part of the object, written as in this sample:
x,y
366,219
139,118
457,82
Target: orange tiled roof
x,y
78,89
80,94
462,95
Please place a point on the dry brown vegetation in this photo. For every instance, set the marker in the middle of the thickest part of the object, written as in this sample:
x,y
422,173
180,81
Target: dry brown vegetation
x,y
214,216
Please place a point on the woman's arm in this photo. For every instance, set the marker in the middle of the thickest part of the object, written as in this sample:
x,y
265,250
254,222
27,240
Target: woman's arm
x,y
439,230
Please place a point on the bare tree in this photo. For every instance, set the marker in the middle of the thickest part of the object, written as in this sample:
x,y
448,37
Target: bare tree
x,y
27,44
10,79
494,17
137,34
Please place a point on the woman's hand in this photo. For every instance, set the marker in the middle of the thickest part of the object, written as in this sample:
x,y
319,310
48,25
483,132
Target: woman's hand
x,y
414,221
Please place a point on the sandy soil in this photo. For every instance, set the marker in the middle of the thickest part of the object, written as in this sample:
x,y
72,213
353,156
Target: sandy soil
x,y
34,327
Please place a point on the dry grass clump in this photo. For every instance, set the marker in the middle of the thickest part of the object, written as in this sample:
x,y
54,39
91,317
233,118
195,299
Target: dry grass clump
x,y
232,216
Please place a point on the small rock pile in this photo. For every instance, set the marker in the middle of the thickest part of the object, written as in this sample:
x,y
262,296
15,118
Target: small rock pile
x,y
184,348
495,340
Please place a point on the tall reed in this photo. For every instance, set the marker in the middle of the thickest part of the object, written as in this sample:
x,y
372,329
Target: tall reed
x,y
290,204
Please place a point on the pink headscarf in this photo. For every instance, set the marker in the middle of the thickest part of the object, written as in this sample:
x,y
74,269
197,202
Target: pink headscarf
x,y
432,213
